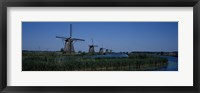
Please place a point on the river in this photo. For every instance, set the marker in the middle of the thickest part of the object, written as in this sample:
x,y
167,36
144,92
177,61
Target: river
x,y
172,61
172,64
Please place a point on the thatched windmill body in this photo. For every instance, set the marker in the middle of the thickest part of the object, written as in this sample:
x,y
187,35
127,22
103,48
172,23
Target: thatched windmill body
x,y
91,48
69,41
101,50
108,51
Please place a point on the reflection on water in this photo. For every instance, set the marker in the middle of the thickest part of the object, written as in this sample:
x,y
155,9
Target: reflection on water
x,y
172,64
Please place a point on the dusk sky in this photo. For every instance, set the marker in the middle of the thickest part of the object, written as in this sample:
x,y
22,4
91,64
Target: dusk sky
x,y
118,36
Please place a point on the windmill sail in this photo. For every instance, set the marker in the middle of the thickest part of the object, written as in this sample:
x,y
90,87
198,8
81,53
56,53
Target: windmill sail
x,y
76,39
70,30
61,37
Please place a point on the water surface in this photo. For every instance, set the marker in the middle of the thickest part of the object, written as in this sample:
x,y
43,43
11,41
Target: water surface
x,y
172,64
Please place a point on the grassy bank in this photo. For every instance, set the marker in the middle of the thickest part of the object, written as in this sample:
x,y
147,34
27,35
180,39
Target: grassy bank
x,y
52,61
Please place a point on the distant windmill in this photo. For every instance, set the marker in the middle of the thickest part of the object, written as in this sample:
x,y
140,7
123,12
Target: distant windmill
x,y
108,51
91,47
69,41
101,50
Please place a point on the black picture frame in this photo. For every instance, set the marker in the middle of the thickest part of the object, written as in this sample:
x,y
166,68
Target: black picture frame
x,y
98,3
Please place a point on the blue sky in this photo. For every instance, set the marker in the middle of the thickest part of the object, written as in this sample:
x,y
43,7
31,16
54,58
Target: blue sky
x,y
118,36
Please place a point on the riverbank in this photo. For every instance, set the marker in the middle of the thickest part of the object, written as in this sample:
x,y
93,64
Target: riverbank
x,y
52,61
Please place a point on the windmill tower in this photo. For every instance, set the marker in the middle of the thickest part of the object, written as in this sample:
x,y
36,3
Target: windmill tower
x,y
101,50
91,48
107,51
110,51
69,41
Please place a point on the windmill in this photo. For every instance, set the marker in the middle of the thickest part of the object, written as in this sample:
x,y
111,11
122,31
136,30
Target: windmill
x,y
69,41
108,50
91,47
101,50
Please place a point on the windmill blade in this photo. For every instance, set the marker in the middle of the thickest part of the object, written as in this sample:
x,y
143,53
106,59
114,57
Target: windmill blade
x,y
61,37
76,39
93,45
63,41
92,42
70,30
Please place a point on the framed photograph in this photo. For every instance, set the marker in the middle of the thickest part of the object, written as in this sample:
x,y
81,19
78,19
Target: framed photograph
x,y
100,46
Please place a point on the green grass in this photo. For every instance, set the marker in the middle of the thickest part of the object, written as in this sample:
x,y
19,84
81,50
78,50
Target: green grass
x,y
52,61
